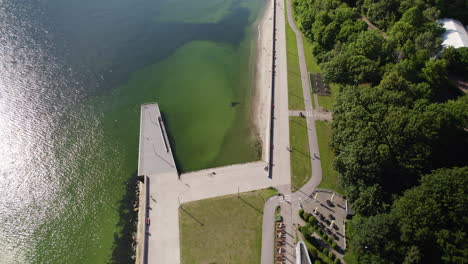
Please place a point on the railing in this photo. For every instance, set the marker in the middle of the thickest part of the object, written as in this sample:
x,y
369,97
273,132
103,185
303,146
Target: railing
x,y
146,207
272,109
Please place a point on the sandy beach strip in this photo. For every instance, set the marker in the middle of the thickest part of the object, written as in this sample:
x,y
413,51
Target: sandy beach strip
x,y
262,92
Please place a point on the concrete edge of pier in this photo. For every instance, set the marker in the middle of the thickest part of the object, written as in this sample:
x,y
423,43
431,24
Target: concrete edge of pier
x,y
154,158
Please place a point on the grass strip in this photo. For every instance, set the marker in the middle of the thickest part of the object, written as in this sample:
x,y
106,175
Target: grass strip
x,y
301,166
330,178
295,93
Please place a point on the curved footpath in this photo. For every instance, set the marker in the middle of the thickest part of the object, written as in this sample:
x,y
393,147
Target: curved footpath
x,y
290,203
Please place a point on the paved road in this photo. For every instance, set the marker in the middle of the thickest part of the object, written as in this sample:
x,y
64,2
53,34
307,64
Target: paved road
x,y
281,156
291,205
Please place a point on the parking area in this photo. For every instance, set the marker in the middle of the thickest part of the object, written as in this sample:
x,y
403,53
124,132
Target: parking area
x,y
330,210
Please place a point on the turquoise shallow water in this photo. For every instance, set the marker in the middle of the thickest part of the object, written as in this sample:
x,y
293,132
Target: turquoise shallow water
x,y
73,74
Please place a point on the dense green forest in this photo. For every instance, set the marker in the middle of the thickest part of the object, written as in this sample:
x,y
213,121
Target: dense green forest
x,y
397,117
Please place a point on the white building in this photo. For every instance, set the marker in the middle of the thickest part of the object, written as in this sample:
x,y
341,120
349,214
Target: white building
x,y
455,34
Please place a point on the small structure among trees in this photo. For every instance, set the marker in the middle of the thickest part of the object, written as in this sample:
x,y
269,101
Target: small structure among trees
x,y
455,34
318,85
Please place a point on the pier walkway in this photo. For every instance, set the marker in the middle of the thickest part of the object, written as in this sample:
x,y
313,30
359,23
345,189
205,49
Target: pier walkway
x,y
155,160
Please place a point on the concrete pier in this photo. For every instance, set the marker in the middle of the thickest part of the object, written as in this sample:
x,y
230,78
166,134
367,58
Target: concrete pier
x,y
154,160
155,154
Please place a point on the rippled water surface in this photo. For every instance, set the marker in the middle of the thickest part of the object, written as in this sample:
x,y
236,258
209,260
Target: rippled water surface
x,y
72,77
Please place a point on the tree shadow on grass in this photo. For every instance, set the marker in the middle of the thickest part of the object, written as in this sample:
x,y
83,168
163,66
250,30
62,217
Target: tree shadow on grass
x,y
124,243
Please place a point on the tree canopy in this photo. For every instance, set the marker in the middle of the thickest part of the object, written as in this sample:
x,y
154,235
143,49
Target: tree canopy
x,y
390,125
393,122
428,224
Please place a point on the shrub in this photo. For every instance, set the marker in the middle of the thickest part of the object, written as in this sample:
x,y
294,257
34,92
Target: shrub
x,y
329,239
331,255
311,219
301,228
306,216
334,245
321,232
325,251
301,213
305,231
313,253
314,241
337,261
317,262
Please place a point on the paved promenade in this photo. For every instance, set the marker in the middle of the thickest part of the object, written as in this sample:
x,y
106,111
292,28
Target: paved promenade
x,y
290,203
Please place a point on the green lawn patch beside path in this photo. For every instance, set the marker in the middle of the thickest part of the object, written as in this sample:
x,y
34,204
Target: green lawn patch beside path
x,y
225,229
330,178
350,256
301,166
327,102
311,61
295,93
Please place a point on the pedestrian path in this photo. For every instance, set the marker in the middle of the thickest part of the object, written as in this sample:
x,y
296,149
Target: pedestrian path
x,y
315,114
290,203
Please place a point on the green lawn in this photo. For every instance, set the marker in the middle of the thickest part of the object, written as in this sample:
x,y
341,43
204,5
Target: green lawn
x,y
350,256
327,102
311,61
329,175
301,166
226,229
295,93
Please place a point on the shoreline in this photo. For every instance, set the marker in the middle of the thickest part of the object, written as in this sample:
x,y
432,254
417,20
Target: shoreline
x,y
262,83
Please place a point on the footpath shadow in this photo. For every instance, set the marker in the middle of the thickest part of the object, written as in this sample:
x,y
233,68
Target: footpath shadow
x,y
124,244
